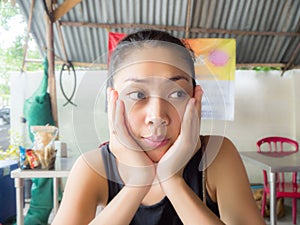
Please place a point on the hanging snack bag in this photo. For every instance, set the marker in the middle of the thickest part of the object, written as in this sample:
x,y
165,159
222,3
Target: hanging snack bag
x,y
32,158
43,147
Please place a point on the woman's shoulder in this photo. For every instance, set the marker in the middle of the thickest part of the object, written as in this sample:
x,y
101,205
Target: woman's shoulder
x,y
221,155
223,159
217,145
228,184
91,161
88,171
217,139
85,189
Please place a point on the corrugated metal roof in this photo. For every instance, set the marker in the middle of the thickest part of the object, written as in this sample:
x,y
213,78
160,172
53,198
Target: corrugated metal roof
x,y
277,23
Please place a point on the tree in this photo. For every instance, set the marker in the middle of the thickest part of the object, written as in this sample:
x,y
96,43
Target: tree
x,y
11,57
7,11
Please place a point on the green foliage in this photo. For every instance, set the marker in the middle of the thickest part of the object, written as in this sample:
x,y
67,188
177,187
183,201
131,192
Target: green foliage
x,y
10,60
261,68
7,11
13,149
4,92
265,68
11,57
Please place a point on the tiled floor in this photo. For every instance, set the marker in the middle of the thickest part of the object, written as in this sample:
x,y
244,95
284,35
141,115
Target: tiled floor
x,y
287,219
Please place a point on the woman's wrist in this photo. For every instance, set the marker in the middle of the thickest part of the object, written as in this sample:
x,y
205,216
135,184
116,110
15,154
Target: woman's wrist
x,y
136,176
138,190
172,183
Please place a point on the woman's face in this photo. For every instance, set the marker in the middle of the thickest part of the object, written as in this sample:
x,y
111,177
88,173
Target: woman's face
x,y
155,97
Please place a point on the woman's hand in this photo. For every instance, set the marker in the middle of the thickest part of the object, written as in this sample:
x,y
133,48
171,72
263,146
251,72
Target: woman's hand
x,y
188,140
135,167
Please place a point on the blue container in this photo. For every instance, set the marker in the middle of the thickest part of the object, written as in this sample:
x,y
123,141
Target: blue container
x,y
7,190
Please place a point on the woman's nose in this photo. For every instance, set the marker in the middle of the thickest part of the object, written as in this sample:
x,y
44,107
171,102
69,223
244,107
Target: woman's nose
x,y
157,112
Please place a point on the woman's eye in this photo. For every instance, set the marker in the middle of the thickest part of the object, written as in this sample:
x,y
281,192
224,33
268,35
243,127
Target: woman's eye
x,y
137,95
177,94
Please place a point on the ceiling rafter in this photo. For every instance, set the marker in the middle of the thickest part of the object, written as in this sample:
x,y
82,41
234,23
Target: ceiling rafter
x,y
207,20
292,59
178,28
64,8
61,39
61,61
294,54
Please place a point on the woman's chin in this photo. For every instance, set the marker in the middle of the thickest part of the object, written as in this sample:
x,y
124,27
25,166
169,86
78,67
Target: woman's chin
x,y
155,155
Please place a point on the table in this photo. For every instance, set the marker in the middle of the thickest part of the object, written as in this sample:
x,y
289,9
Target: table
x,y
62,169
273,164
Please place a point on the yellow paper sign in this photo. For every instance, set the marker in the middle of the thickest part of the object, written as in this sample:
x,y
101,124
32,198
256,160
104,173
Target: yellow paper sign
x,y
214,56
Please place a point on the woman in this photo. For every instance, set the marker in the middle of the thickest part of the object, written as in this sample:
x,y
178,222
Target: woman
x,y
156,168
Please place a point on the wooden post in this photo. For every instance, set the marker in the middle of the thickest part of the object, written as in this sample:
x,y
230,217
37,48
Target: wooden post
x,y
188,18
51,61
27,35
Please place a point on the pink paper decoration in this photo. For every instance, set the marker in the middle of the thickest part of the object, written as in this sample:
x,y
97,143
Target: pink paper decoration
x,y
218,57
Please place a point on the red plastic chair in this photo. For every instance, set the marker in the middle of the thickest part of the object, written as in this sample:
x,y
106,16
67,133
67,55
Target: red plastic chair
x,y
284,189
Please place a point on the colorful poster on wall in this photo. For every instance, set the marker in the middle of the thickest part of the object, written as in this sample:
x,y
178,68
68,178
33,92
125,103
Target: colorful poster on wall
x,y
215,70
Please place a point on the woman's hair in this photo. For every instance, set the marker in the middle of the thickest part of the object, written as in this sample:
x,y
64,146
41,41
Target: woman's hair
x,y
146,35
151,38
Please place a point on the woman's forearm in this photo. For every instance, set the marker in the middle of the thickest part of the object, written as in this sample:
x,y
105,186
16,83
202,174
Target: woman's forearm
x,y
187,204
122,208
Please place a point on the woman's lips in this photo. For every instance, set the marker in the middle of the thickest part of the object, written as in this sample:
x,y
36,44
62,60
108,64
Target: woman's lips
x,y
155,142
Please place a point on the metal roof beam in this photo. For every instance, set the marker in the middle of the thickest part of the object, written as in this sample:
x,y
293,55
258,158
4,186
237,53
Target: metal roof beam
x,y
104,66
292,59
179,28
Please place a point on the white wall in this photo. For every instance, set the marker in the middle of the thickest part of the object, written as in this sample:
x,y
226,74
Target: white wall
x,y
264,107
296,89
82,127
265,104
22,86
85,127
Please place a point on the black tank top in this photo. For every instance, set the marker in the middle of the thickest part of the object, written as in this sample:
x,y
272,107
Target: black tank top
x,y
161,213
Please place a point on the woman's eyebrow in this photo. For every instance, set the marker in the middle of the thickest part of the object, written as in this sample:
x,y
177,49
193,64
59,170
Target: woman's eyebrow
x,y
136,80
178,77
173,78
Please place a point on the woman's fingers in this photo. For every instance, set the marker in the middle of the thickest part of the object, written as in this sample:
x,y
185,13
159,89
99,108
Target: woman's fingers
x,y
198,93
135,168
111,108
191,122
117,121
184,147
123,133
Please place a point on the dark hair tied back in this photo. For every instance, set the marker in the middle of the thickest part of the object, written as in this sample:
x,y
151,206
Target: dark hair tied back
x,y
145,35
